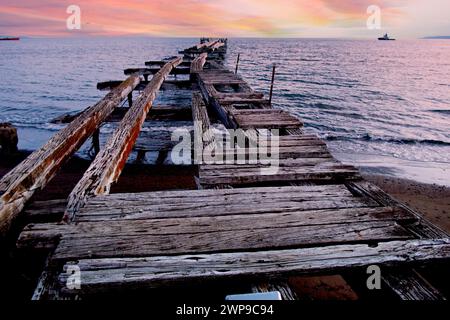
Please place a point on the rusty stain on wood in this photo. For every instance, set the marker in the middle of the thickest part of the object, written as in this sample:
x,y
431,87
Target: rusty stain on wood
x,y
17,187
108,164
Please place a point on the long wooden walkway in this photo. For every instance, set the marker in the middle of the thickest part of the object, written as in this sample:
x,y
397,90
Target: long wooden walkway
x,y
313,215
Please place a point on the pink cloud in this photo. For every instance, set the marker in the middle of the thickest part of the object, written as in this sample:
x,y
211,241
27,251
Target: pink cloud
x,y
190,17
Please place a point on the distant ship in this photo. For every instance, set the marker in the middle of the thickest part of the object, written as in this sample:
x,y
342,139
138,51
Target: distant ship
x,y
385,37
9,38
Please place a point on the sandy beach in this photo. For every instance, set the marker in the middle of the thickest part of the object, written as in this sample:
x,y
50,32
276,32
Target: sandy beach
x,y
431,200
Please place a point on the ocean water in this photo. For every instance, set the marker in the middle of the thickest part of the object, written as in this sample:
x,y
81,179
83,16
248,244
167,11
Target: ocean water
x,y
381,105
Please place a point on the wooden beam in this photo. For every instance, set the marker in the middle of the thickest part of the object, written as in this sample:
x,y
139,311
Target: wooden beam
x,y
150,71
139,238
282,287
202,132
198,63
160,63
408,284
162,271
167,85
17,187
108,164
159,112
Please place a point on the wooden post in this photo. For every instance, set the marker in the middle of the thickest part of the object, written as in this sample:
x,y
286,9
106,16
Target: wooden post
x,y
17,186
107,166
197,65
8,138
271,84
237,63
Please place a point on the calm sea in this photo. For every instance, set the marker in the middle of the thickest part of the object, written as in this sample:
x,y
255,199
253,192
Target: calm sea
x,y
382,105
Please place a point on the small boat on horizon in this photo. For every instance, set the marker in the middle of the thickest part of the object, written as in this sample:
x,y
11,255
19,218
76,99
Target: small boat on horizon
x,y
9,38
385,37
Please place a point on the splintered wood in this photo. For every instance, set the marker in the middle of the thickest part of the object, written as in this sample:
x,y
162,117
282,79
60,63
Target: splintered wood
x,y
108,164
163,271
198,63
17,187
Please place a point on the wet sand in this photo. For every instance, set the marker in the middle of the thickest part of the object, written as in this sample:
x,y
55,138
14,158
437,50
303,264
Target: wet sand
x,y
430,200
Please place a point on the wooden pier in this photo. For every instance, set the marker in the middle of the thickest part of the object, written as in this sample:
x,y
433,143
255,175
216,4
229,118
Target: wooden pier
x,y
241,226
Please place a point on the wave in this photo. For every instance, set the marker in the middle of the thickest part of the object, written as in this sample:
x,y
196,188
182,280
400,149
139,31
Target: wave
x,y
368,137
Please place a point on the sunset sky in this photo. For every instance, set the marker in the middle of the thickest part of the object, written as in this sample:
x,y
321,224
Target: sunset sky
x,y
239,18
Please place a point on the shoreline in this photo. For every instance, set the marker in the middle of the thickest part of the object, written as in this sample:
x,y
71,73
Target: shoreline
x,y
422,172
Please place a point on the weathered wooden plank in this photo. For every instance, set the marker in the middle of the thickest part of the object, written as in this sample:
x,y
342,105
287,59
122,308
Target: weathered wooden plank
x,y
240,100
410,285
225,81
297,192
134,238
234,95
219,202
198,63
160,63
423,229
308,152
220,112
282,287
407,284
243,176
203,135
116,210
210,46
167,85
105,274
285,163
150,71
108,164
265,118
44,235
17,187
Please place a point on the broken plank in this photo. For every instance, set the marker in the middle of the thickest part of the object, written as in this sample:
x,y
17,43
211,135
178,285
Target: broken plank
x,y
46,235
133,239
203,135
101,275
167,85
150,71
333,173
410,285
108,164
198,63
17,187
